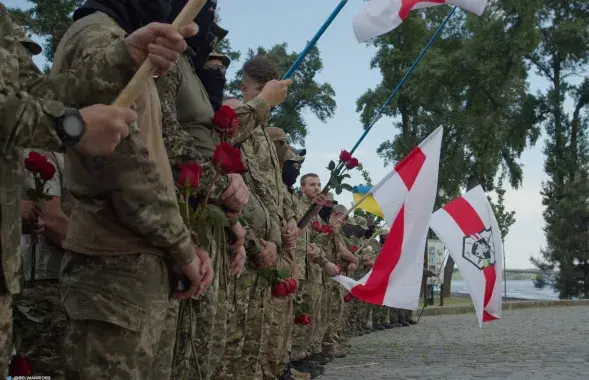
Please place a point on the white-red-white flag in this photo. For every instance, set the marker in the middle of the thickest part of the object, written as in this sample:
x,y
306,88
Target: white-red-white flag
x,y
469,230
406,197
381,16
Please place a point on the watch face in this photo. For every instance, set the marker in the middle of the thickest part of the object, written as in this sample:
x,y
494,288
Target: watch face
x,y
73,126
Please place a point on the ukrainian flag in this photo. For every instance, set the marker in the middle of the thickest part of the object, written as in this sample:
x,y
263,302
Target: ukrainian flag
x,y
369,204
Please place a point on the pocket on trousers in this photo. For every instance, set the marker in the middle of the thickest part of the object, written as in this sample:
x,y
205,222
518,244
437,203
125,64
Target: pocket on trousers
x,y
85,304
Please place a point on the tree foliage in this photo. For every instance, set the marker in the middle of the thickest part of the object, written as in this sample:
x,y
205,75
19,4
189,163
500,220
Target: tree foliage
x,y
472,82
49,19
561,57
305,94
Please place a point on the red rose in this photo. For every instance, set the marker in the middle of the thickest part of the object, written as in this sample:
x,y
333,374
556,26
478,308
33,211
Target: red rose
x,y
302,319
339,268
189,176
352,163
317,226
20,366
354,248
345,156
348,297
327,230
292,285
228,158
47,171
35,162
280,289
226,120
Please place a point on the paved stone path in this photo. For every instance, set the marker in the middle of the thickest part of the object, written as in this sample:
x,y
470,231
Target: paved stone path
x,y
543,344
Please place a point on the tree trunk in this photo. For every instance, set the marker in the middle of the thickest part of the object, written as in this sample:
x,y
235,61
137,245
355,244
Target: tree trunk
x,y
448,270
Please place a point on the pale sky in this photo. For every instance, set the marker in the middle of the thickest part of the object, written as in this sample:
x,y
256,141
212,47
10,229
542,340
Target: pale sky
x,y
346,64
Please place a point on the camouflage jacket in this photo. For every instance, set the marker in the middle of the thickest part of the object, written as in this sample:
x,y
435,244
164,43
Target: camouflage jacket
x,y
314,269
300,252
180,145
126,201
27,120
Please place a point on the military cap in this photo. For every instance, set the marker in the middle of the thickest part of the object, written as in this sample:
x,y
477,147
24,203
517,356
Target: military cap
x,y
341,209
275,133
219,34
225,60
330,196
370,222
352,221
21,34
291,155
362,223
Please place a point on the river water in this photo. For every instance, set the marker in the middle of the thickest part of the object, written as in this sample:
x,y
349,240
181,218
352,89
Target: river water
x,y
515,289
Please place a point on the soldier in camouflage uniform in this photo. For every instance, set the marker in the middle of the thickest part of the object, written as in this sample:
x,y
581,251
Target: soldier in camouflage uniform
x,y
333,341
189,136
270,218
365,252
30,118
126,239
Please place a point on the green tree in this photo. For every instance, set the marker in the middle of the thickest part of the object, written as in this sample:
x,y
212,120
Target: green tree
x,y
472,82
305,94
505,218
49,19
562,56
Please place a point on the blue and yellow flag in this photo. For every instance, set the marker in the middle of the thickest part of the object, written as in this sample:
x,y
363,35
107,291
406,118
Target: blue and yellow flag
x,y
369,204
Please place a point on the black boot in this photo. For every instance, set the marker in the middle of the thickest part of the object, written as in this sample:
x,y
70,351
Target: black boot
x,y
286,375
320,358
379,327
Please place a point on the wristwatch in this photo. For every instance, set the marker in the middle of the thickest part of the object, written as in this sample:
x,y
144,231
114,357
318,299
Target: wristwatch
x,y
70,127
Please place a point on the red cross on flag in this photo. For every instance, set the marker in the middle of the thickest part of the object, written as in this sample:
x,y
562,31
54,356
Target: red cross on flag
x,y
406,197
469,230
381,16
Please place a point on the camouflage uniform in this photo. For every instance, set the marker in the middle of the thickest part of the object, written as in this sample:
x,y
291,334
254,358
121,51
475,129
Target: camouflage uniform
x,y
188,134
27,121
125,230
333,334
43,339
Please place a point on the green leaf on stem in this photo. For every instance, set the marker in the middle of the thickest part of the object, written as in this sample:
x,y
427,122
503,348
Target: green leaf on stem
x,y
347,187
331,166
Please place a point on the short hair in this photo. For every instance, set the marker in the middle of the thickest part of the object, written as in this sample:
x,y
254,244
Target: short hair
x,y
260,69
308,175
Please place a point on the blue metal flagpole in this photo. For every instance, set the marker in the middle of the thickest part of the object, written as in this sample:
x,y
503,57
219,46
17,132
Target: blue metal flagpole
x,y
314,40
403,80
307,217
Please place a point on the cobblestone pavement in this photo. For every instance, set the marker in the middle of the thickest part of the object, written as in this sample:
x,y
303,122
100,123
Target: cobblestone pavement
x,y
543,344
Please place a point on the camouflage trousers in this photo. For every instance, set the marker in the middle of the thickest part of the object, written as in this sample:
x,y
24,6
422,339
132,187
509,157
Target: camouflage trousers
x,y
364,310
202,326
322,319
394,316
346,329
302,335
241,360
5,333
332,337
380,315
42,340
122,322
278,325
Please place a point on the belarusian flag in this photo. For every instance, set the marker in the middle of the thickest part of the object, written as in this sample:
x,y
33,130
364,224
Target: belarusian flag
x,y
381,16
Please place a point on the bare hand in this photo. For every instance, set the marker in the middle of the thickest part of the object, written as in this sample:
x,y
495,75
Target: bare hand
x,y
267,258
336,224
274,92
207,272
331,269
29,211
235,197
238,262
193,274
352,268
105,126
321,199
290,233
38,228
238,234
312,252
161,43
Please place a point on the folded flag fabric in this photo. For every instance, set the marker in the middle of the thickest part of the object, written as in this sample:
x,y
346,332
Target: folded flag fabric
x,y
381,16
406,197
369,204
469,230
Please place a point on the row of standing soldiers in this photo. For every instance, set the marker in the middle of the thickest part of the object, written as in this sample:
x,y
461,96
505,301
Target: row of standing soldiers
x,y
125,231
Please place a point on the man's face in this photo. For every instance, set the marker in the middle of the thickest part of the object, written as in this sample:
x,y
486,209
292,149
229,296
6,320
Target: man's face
x,y
336,216
312,187
250,90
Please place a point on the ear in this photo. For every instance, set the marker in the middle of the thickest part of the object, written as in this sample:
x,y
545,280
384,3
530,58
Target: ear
x,y
243,88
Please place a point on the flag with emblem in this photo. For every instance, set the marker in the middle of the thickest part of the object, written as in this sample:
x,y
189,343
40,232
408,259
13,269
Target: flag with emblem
x,y
469,230
406,197
381,16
